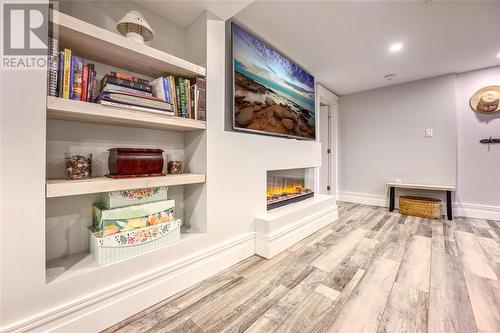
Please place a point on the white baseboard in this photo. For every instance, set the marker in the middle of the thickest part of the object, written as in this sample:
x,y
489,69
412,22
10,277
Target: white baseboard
x,y
364,198
269,245
459,209
111,305
477,211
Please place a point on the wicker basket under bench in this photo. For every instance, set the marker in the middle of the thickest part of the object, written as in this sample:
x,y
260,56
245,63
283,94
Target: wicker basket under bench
x,y
446,188
419,206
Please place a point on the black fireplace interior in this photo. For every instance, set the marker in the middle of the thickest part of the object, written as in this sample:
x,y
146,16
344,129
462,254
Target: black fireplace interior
x,y
288,186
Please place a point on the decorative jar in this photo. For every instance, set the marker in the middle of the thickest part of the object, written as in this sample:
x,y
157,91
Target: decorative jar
x,y
78,166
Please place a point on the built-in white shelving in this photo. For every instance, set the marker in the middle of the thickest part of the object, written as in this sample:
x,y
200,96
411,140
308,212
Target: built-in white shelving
x,y
66,109
101,45
111,50
63,187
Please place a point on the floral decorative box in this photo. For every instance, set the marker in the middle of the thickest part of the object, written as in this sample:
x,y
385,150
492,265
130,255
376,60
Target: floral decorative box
x,y
108,249
111,221
117,199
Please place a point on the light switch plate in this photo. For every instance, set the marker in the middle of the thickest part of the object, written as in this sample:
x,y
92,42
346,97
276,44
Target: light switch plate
x,y
428,133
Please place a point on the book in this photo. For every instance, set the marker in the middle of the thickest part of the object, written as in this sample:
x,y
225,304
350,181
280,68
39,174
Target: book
x,y
85,78
126,83
67,74
71,77
159,88
134,107
60,75
171,81
194,104
52,65
134,99
122,76
90,83
182,96
77,78
188,98
128,77
114,88
166,88
201,98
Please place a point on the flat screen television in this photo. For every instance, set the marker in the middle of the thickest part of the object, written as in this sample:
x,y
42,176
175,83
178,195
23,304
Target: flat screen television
x,y
271,94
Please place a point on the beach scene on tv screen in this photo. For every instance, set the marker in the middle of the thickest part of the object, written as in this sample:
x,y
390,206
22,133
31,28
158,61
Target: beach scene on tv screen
x,y
271,93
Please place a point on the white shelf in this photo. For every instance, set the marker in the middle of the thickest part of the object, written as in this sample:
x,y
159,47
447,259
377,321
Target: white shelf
x,y
62,187
95,43
67,109
77,264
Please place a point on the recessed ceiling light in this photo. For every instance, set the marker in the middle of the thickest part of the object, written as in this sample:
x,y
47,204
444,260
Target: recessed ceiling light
x,y
498,55
389,77
396,47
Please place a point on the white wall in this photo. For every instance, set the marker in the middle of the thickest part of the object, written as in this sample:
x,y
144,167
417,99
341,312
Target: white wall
x,y
169,37
381,136
478,164
376,125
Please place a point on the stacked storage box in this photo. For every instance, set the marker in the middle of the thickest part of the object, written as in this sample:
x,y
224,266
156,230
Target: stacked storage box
x,y
132,222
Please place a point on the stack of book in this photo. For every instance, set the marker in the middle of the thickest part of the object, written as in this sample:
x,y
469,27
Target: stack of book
x,y
187,97
129,92
74,79
68,77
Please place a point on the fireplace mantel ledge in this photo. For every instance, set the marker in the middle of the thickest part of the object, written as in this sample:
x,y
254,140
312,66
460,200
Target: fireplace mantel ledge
x,y
281,228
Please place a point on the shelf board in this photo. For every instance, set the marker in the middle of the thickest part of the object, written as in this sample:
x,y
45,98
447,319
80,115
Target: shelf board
x,y
70,266
67,109
98,44
62,187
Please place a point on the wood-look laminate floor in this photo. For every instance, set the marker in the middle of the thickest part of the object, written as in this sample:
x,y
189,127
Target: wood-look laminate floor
x,y
370,271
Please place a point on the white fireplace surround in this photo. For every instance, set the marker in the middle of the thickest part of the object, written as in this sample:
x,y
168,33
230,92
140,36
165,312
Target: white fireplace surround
x,y
280,228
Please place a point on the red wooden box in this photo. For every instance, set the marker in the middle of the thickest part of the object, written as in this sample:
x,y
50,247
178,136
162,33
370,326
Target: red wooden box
x,y
135,162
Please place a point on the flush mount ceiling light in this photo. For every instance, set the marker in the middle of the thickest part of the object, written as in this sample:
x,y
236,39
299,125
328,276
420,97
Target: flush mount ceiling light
x,y
389,77
396,47
134,26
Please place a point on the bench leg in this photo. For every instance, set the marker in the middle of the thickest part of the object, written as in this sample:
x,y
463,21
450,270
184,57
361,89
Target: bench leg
x,y
392,194
448,205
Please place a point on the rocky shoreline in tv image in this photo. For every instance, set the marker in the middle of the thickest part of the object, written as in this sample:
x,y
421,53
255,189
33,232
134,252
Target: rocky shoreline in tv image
x,y
259,108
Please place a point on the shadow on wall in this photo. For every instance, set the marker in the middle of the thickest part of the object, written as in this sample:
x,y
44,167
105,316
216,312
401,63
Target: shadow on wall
x,y
487,117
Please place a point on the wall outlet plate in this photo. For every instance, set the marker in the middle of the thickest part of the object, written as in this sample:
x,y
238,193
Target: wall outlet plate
x,y
428,133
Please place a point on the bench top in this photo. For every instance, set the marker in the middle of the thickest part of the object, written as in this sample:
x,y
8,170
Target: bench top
x,y
423,186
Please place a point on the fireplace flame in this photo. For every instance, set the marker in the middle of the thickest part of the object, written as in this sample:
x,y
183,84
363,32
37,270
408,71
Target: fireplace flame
x,y
290,189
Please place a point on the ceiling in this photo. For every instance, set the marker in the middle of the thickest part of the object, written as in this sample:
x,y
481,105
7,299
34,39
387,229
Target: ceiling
x,y
345,44
184,12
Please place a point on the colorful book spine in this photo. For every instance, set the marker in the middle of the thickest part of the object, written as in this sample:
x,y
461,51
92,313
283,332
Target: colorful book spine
x,y
159,89
171,81
126,83
52,65
177,93
77,78
60,77
67,73
182,96
115,88
201,98
85,78
90,83
72,77
93,83
188,98
166,88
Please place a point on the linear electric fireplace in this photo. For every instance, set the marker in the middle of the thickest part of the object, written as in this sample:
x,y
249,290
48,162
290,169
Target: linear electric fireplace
x,y
288,186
